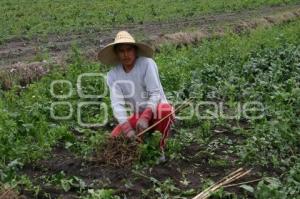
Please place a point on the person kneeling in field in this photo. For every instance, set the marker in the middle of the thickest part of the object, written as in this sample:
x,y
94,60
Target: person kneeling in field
x,y
134,82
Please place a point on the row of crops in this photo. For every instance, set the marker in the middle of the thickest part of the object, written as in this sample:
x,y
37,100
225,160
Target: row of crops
x,y
23,19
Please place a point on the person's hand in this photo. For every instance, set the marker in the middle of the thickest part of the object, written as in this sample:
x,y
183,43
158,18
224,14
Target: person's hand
x,y
144,120
133,137
127,129
141,125
131,134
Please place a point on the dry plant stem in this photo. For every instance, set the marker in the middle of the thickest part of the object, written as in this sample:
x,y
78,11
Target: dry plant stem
x,y
220,181
233,178
117,152
226,180
242,183
3,196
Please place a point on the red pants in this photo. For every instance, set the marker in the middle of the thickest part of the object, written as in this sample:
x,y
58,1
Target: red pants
x,y
163,109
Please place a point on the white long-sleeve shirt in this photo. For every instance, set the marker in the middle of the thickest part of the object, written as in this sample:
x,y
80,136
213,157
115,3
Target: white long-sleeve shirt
x,y
138,89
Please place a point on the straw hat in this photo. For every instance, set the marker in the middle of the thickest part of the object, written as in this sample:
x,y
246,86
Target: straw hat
x,y
108,56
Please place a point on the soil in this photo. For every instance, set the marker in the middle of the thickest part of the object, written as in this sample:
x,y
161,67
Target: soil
x,y
194,166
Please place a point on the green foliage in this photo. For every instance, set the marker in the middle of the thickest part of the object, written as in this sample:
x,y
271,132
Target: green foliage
x,y
27,129
166,189
244,69
274,74
22,18
274,188
150,149
64,182
100,194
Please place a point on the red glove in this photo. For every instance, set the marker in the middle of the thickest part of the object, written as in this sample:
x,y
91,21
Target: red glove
x,y
144,120
127,129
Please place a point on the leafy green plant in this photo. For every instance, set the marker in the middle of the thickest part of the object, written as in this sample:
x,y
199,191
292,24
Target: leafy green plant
x,y
65,182
150,149
100,194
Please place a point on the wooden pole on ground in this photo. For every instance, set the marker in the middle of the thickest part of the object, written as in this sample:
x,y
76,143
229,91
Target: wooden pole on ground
x,y
239,173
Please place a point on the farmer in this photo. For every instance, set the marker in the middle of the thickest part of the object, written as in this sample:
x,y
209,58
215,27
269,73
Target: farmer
x,y
134,85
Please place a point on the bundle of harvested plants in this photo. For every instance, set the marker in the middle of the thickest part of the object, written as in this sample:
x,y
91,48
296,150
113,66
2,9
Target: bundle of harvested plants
x,y
8,193
117,152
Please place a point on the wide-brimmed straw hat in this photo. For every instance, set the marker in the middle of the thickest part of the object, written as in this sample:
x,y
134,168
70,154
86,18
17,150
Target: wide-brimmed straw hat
x,y
108,56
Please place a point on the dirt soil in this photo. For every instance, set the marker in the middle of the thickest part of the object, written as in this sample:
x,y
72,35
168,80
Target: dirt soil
x,y
57,46
194,166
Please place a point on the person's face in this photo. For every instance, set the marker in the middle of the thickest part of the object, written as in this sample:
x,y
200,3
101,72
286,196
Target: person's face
x,y
126,54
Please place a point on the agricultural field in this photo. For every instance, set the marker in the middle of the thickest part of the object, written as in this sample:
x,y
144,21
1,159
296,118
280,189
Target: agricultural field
x,y
23,18
245,102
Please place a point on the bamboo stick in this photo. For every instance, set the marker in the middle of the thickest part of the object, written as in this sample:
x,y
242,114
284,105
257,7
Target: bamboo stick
x,y
241,183
226,180
210,187
233,178
229,180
